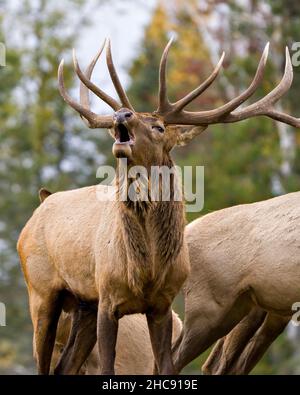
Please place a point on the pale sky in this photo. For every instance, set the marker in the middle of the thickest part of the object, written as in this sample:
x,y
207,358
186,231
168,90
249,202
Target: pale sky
x,y
124,24
123,21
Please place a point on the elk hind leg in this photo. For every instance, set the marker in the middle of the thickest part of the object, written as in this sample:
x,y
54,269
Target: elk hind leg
x,y
205,325
271,328
228,349
82,338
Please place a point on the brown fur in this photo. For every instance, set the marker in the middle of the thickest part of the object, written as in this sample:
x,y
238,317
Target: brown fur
x,y
242,258
129,277
129,260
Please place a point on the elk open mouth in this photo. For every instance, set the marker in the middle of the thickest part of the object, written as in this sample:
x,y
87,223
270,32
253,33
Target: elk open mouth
x,y
124,140
123,135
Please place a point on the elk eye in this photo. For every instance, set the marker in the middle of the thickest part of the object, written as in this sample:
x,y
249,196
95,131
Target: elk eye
x,y
159,128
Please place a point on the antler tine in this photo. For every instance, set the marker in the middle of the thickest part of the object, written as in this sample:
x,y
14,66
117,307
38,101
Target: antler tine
x,y
285,118
164,104
285,82
115,79
237,101
99,92
265,106
212,116
93,120
84,91
180,104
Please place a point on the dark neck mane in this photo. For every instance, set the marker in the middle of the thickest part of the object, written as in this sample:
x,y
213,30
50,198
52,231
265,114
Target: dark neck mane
x,y
153,232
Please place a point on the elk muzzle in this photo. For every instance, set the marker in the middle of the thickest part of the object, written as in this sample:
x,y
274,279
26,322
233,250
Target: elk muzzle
x,y
124,136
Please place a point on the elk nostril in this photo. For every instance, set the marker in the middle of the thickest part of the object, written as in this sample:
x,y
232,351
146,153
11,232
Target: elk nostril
x,y
128,115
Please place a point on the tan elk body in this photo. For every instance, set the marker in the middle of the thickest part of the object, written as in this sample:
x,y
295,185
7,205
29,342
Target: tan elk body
x,y
113,258
243,259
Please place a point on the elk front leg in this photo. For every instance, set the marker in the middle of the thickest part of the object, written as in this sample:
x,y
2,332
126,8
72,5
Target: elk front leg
x,y
107,338
228,349
45,312
160,330
82,338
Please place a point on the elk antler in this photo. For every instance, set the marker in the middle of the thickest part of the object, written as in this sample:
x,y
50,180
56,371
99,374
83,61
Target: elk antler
x,y
86,83
174,113
115,79
91,119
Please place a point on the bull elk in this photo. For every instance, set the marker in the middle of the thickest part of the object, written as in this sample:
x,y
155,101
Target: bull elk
x,y
245,266
133,349
124,257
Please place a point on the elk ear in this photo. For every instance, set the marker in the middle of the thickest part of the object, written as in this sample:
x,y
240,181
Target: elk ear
x,y
171,136
186,133
43,194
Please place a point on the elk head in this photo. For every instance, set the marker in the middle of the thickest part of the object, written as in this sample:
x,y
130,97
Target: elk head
x,y
145,138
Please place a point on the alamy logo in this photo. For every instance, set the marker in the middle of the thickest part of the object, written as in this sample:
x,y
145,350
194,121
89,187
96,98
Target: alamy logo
x,y
136,183
296,316
296,54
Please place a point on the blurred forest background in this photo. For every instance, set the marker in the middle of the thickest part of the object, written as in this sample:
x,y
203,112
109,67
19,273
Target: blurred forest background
x,y
44,143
